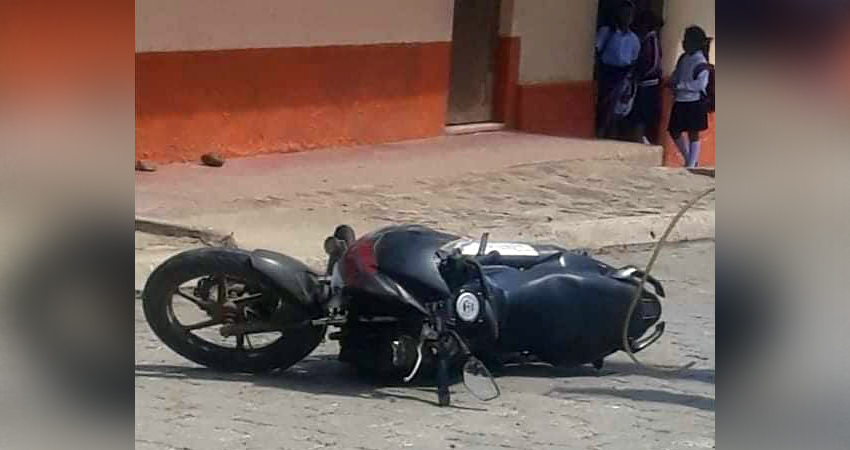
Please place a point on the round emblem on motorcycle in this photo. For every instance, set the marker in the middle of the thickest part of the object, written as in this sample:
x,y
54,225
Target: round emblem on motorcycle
x,y
467,307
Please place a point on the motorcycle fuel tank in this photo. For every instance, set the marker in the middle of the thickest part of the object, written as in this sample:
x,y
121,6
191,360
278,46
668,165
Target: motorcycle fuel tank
x,y
408,254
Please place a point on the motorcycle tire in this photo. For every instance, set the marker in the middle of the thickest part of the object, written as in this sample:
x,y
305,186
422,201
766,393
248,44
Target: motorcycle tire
x,y
167,278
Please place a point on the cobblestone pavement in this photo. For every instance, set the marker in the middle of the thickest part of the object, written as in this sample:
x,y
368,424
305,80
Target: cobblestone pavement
x,y
320,403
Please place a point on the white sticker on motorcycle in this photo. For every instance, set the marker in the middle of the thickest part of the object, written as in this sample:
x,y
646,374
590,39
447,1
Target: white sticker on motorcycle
x,y
467,307
504,248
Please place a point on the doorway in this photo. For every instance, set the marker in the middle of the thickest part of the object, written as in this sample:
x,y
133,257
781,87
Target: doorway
x,y
475,37
607,16
608,9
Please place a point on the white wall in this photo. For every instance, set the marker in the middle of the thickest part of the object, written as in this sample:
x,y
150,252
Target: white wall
x,y
556,39
557,36
680,14
169,25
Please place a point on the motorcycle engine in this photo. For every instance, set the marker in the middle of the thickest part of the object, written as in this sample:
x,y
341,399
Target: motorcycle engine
x,y
385,355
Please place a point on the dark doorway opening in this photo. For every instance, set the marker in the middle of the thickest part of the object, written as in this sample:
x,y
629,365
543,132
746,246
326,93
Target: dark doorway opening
x,y
475,37
607,13
608,10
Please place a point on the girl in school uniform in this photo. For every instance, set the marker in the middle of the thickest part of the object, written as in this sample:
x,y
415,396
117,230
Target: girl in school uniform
x,y
617,50
646,113
690,112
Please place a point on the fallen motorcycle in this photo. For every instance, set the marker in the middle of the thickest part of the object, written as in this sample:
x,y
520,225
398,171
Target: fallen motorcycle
x,y
407,301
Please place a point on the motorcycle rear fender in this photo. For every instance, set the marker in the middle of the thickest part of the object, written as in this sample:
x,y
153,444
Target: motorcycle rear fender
x,y
289,275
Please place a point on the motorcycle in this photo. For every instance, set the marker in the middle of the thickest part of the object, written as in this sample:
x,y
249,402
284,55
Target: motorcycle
x,y
406,301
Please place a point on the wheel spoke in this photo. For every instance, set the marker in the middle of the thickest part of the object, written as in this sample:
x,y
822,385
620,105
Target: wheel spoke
x,y
222,290
248,298
203,324
200,303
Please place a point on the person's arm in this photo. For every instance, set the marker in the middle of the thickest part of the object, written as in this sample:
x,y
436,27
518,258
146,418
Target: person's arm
x,y
655,47
635,50
601,38
674,77
691,84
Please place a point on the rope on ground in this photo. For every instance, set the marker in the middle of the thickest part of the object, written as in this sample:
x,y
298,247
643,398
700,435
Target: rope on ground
x,y
639,292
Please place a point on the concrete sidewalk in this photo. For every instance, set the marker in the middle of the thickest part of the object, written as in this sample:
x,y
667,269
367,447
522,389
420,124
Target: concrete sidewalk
x,y
516,186
185,190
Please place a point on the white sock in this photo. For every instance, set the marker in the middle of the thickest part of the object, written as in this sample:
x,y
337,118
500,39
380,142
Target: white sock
x,y
645,140
682,143
693,155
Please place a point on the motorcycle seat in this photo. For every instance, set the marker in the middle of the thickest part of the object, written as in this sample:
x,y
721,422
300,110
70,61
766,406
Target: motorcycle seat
x,y
574,260
521,262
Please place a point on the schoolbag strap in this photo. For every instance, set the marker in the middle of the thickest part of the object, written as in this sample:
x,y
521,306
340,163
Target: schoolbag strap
x,y
701,67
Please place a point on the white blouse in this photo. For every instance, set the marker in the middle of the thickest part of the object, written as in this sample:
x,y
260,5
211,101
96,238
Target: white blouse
x,y
685,86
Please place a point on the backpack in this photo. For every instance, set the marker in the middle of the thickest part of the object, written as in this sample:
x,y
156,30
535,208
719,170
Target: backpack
x,y
708,95
625,97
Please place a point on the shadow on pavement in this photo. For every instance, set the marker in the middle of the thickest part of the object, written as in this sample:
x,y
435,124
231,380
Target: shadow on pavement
x,y
542,370
640,395
324,375
317,375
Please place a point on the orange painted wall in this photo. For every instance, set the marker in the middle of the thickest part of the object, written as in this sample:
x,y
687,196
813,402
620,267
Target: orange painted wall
x,y
671,156
507,81
57,51
563,109
247,102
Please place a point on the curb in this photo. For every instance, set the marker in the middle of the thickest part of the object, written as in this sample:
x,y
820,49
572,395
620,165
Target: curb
x,y
704,171
592,235
208,236
631,231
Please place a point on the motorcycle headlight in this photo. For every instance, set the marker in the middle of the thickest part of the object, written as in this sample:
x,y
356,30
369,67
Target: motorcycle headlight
x,y
467,307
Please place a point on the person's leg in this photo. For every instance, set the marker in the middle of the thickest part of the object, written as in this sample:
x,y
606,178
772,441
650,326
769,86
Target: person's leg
x,y
603,87
640,134
681,144
603,130
640,116
600,117
694,148
653,119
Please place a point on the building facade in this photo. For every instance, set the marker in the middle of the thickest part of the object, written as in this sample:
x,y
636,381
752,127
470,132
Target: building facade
x,y
251,77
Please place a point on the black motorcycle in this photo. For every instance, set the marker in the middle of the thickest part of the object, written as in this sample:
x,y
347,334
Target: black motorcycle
x,y
407,301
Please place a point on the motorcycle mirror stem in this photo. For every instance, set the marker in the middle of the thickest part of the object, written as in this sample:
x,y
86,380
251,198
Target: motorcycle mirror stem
x,y
443,380
334,247
482,246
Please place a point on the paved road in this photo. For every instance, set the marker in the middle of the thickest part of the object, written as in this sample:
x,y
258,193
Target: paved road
x,y
320,403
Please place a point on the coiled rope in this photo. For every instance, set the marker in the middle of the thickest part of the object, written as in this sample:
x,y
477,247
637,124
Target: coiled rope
x,y
639,292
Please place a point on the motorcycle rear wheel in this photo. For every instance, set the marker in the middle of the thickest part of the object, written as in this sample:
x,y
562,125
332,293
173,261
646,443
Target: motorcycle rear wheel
x,y
162,287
